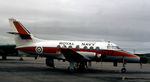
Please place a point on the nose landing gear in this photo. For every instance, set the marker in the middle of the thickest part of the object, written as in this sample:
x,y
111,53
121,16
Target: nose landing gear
x,y
123,70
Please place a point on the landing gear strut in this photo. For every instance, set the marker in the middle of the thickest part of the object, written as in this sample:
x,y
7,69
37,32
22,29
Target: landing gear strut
x,y
71,68
82,66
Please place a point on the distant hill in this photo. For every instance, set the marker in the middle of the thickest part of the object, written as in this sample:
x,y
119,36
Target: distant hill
x,y
146,54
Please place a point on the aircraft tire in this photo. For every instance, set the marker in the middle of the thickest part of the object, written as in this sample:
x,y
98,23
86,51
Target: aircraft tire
x,y
72,70
123,70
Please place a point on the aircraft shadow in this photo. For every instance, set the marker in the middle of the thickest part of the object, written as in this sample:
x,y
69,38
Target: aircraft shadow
x,y
63,70
30,67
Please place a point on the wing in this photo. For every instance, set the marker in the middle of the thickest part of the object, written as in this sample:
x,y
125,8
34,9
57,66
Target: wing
x,y
71,55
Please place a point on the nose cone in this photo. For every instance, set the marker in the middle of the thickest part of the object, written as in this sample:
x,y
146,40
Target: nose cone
x,y
143,59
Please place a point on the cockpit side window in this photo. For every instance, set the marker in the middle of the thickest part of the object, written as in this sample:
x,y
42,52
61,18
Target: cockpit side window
x,y
109,46
116,47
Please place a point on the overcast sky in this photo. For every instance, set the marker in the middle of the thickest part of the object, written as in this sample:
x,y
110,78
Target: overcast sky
x,y
124,22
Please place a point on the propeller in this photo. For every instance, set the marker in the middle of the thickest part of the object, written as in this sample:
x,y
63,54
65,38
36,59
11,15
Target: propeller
x,y
143,60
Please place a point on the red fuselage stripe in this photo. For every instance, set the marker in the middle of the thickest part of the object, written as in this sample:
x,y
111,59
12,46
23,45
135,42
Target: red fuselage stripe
x,y
101,51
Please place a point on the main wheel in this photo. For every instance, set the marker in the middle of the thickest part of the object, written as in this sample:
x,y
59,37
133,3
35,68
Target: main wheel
x,y
123,70
72,70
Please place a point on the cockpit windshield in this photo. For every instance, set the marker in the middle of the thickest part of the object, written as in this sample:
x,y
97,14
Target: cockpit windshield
x,y
113,47
116,47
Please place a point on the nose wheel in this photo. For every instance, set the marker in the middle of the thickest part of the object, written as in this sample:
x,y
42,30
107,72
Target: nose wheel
x,y
70,69
123,70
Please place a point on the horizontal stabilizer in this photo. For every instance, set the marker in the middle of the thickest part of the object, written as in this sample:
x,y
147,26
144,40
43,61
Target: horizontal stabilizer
x,y
17,33
23,36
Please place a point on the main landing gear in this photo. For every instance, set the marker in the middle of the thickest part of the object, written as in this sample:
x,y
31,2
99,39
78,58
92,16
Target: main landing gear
x,y
72,68
50,62
80,66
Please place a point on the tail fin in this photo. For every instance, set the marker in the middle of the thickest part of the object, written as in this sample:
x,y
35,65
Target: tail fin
x,y
18,27
22,35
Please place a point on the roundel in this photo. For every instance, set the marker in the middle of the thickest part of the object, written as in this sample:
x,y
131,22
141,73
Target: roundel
x,y
39,49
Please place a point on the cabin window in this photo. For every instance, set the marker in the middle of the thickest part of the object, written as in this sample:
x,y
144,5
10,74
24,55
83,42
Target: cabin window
x,y
58,47
70,47
91,48
77,47
85,47
97,48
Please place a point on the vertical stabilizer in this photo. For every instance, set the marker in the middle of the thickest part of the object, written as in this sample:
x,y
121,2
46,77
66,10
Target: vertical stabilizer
x,y
22,35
